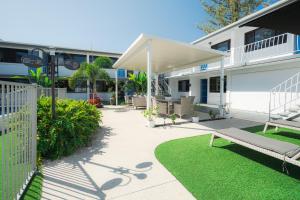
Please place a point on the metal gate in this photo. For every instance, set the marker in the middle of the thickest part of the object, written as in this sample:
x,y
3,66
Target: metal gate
x,y
18,125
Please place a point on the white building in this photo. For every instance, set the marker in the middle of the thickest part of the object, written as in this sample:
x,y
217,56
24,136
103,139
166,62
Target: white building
x,y
11,65
258,60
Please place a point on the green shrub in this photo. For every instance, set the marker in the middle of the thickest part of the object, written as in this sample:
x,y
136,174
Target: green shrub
x,y
73,127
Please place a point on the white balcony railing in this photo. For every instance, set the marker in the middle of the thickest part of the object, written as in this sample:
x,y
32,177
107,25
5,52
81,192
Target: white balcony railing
x,y
271,48
260,51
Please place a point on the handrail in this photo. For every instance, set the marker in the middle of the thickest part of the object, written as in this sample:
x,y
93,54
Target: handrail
x,y
278,97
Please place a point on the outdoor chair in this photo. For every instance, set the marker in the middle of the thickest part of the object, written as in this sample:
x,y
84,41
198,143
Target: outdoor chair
x,y
139,102
128,100
191,98
162,108
283,124
184,108
284,151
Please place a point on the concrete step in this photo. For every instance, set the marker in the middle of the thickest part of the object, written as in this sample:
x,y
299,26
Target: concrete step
x,y
294,109
275,117
284,114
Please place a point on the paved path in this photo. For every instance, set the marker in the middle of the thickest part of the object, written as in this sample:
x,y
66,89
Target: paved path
x,y
120,164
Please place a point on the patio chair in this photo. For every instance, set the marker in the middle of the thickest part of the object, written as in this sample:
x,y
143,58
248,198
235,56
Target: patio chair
x,y
283,124
191,98
162,107
139,102
184,108
128,100
284,151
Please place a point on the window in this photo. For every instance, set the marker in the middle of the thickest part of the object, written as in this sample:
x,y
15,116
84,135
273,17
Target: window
x,y
222,46
184,86
12,55
257,39
102,86
214,84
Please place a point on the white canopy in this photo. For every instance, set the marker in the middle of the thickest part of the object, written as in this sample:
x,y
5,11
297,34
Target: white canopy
x,y
167,55
158,55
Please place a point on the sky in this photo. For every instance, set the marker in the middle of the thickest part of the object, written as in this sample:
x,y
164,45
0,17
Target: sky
x,y
104,25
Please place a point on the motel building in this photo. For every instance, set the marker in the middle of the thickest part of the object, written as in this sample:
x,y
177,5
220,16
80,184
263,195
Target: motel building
x,y
12,67
258,61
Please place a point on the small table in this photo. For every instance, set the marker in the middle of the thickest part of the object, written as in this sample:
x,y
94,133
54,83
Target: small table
x,y
170,103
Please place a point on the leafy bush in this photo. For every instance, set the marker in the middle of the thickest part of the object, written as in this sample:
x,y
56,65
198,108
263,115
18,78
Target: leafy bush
x,y
73,127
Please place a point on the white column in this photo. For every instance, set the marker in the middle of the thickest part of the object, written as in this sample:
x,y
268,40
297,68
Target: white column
x,y
221,106
116,77
88,81
149,70
156,85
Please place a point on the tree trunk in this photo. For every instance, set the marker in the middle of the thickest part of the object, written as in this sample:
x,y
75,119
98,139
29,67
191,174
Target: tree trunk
x,y
94,89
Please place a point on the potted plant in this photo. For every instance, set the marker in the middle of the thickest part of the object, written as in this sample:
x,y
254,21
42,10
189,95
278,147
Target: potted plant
x,y
195,117
150,115
173,117
212,114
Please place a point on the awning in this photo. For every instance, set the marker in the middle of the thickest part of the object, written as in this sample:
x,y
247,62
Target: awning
x,y
158,55
167,55
282,16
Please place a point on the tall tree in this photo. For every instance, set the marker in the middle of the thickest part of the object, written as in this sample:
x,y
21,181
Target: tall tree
x,y
225,12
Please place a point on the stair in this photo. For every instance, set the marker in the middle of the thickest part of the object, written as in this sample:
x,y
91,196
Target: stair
x,y
284,100
163,87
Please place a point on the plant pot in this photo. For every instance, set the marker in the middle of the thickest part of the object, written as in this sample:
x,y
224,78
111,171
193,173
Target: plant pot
x,y
151,124
195,119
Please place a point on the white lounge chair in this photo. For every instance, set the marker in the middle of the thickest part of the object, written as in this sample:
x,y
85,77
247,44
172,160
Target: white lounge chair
x,y
284,151
283,124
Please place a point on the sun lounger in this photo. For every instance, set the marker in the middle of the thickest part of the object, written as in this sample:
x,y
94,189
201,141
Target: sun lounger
x,y
284,151
283,124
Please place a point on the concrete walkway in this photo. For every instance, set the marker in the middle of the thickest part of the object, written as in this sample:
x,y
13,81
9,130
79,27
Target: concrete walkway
x,y
120,163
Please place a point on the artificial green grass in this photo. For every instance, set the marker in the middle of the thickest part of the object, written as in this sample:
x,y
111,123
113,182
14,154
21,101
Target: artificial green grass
x,y
228,171
34,189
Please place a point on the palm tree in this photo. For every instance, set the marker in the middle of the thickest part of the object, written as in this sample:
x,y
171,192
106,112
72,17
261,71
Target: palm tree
x,y
137,82
92,72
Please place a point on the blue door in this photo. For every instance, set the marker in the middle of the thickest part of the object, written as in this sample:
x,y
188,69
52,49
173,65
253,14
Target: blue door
x,y
297,46
203,90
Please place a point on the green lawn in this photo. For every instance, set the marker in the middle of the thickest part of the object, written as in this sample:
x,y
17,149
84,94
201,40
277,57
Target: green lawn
x,y
34,190
229,171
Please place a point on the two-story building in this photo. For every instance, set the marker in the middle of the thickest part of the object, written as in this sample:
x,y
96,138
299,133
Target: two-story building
x,y
258,60
12,67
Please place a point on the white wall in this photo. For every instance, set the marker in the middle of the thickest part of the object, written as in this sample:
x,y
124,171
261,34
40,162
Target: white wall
x,y
105,96
195,88
16,69
249,89
173,84
77,96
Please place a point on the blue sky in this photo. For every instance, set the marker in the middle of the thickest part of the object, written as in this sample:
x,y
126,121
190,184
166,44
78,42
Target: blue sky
x,y
109,25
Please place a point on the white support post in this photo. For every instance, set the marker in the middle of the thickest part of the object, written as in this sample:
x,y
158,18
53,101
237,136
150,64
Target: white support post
x,y
156,85
221,106
149,70
88,81
116,76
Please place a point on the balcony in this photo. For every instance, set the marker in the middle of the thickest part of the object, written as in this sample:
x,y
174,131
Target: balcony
x,y
13,69
280,46
272,48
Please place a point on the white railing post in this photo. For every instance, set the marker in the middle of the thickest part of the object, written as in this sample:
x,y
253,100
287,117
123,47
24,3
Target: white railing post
x,y
18,137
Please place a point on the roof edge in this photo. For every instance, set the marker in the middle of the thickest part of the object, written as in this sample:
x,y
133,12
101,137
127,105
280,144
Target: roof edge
x,y
245,19
58,47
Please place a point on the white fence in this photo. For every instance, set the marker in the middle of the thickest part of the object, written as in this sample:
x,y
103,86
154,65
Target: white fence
x,y
60,93
18,126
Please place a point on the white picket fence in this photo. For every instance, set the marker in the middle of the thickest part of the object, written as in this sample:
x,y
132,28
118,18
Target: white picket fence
x,y
18,128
